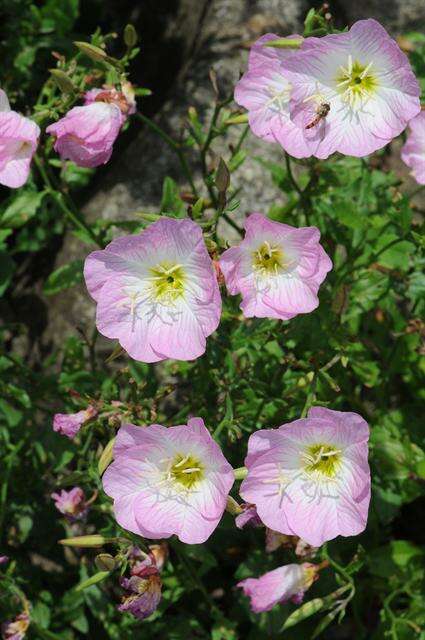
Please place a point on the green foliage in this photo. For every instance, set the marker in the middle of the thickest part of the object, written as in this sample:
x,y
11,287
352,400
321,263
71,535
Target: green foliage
x,y
360,350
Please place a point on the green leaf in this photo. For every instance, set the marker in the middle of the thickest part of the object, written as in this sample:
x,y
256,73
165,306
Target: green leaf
x,y
22,208
97,577
64,277
171,200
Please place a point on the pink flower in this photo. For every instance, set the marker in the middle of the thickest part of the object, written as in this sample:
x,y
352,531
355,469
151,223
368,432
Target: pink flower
x,y
86,134
311,477
18,142
4,560
168,481
278,586
124,99
69,424
265,92
16,629
144,587
248,517
71,503
156,292
413,151
360,81
277,268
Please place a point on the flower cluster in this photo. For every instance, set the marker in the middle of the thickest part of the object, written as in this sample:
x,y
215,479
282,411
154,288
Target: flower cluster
x,y
157,292
84,135
351,92
309,478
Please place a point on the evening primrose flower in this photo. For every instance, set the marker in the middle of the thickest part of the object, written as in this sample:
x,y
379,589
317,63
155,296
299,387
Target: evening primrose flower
x,y
311,477
69,424
351,92
265,92
16,629
277,268
168,481
413,151
143,587
86,134
289,582
156,292
18,143
71,503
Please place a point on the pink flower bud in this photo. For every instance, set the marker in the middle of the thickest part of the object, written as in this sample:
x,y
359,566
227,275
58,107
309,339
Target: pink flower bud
x,y
71,503
69,424
86,134
124,99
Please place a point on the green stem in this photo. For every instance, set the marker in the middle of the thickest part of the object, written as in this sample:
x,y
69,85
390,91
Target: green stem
x,y
233,224
59,198
291,175
175,146
338,568
240,141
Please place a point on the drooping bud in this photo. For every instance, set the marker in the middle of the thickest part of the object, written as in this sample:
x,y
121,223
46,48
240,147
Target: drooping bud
x,y
248,517
95,53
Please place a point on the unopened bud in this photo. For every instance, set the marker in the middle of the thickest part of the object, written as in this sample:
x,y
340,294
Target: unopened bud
x,y
95,53
149,217
95,540
63,81
130,36
284,43
106,456
222,177
105,562
241,119
193,114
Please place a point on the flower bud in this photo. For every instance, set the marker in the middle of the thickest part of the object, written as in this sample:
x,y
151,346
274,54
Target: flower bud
x,y
94,540
106,457
63,81
105,562
130,36
95,53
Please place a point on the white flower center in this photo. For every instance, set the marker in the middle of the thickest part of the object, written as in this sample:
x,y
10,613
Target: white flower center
x,y
279,97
